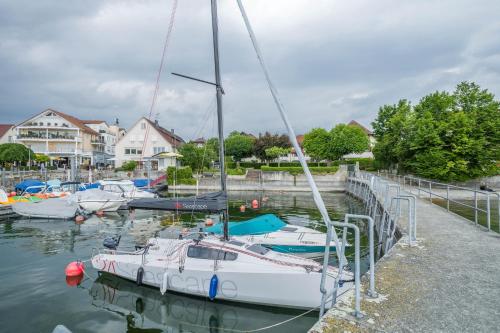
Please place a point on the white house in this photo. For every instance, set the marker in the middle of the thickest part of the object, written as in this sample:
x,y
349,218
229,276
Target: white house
x,y
106,142
145,140
7,133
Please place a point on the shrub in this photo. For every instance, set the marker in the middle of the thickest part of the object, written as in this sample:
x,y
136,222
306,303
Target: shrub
x,y
181,175
236,172
129,166
364,163
299,170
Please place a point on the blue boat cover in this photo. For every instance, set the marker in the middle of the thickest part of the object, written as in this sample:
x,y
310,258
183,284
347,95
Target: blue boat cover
x,y
256,226
87,186
140,182
22,186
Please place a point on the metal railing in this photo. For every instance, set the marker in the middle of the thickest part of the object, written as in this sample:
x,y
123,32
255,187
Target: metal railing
x,y
447,193
342,261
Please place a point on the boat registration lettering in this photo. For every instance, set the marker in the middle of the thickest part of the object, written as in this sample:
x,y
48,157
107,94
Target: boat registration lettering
x,y
226,288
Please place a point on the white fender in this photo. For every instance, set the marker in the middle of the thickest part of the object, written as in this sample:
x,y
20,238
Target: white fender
x,y
164,283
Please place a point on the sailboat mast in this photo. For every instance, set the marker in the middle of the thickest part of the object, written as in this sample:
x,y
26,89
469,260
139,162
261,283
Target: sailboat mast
x,y
215,33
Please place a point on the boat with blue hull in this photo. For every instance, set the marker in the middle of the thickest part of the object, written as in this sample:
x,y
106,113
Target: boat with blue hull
x,y
273,233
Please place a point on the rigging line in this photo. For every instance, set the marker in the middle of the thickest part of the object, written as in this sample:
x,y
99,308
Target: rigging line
x,y
291,133
198,131
202,163
160,69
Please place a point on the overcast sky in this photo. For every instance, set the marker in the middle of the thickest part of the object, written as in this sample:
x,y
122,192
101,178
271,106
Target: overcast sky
x,y
332,61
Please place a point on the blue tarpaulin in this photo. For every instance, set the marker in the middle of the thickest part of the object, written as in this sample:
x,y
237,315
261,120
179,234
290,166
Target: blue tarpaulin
x,y
22,186
141,182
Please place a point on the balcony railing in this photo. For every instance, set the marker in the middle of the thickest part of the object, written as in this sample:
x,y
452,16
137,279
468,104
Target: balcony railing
x,y
53,137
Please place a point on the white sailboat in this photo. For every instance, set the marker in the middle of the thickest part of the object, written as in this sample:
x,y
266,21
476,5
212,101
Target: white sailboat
x,y
245,272
224,267
124,188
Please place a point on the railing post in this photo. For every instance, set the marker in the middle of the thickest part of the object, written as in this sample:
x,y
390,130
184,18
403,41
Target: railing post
x,y
371,292
475,207
488,212
419,187
448,197
430,191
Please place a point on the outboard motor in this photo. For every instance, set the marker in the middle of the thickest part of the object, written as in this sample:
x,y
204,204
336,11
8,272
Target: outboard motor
x,y
111,242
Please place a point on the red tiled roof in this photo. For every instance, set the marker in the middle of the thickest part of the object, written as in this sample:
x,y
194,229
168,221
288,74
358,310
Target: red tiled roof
x,y
300,139
4,128
75,121
93,121
199,140
174,139
355,123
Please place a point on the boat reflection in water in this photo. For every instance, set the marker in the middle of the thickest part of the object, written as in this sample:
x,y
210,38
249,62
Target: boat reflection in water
x,y
145,308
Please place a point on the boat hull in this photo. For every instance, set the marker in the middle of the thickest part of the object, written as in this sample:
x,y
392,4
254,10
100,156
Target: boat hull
x,y
101,205
274,280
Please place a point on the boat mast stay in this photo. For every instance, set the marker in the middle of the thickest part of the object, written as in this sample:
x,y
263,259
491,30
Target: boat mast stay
x,y
318,200
219,92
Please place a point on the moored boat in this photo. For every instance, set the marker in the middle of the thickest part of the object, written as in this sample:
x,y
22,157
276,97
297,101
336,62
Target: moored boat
x,y
245,272
93,200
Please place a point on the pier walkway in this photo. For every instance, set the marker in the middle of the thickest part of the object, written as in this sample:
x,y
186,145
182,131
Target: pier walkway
x,y
449,282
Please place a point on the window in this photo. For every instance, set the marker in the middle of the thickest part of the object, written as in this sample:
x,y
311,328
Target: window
x,y
143,125
55,124
133,151
157,150
200,252
257,249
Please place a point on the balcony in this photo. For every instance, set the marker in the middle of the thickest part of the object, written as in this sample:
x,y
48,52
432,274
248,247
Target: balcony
x,y
51,137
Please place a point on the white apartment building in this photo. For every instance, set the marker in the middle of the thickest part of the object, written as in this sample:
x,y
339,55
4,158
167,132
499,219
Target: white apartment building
x,y
61,136
146,140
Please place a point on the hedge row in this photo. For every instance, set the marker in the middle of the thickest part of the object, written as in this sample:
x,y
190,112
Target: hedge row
x,y
298,170
181,175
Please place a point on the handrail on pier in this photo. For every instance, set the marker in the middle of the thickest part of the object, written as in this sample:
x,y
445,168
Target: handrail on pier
x,y
345,225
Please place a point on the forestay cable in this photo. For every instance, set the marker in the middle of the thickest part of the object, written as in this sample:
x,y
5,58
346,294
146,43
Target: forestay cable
x,y
291,133
158,75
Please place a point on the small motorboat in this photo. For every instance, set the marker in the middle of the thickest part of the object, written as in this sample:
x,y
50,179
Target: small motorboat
x,y
57,208
125,188
271,232
93,200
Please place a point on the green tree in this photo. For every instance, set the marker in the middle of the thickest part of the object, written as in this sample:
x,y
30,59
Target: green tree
x,y
316,143
391,129
129,166
269,140
41,158
445,136
277,152
15,152
346,139
196,157
238,146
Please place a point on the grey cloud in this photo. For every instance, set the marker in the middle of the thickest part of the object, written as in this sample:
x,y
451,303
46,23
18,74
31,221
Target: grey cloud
x,y
332,61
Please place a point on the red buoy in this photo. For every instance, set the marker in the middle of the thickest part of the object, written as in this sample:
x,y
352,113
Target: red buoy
x,y
74,268
209,222
74,281
13,194
255,204
243,208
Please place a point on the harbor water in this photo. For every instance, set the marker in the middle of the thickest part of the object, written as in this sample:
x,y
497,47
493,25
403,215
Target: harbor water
x,y
37,297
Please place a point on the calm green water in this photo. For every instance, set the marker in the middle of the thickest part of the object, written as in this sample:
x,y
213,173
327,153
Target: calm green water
x,y
36,296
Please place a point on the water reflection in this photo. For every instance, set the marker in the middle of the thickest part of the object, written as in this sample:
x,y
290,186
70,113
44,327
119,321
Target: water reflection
x,y
35,252
146,310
